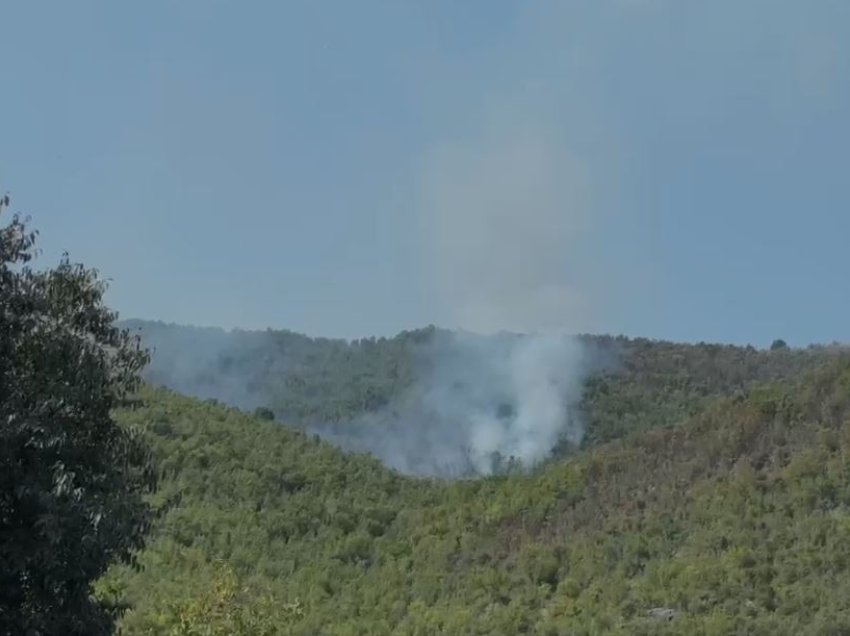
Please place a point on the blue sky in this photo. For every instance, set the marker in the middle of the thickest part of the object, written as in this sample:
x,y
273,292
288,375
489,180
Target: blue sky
x,y
670,169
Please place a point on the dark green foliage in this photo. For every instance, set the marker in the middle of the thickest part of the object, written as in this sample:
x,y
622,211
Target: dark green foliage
x,y
263,413
647,384
71,481
737,520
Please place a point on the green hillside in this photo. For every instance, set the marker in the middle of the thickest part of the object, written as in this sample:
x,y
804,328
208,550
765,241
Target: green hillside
x,y
713,497
634,384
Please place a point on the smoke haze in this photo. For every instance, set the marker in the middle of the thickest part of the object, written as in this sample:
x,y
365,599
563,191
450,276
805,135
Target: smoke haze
x,y
478,403
504,206
502,211
502,214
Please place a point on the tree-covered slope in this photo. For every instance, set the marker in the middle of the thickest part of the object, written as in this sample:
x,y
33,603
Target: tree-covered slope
x,y
735,521
643,384
631,384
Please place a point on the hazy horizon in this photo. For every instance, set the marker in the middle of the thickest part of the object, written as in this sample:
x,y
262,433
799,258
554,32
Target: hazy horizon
x,y
409,328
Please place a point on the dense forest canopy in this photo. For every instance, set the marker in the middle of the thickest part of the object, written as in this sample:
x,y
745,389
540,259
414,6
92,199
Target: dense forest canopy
x,y
712,498
336,387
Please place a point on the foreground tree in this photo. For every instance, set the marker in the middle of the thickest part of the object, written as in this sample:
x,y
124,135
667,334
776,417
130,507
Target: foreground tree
x,y
72,482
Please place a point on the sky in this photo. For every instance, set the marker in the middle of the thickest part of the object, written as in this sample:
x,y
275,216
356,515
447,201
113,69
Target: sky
x,y
673,169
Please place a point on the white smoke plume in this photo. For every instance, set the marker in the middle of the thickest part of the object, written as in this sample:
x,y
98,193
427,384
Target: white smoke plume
x,y
502,211
502,214
505,214
480,404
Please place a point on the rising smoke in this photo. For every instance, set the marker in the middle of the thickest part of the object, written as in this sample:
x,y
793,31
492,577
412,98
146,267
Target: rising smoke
x,y
479,404
476,404
501,212
504,207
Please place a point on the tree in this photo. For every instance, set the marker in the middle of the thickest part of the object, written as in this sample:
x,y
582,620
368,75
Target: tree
x,y
263,413
72,482
226,607
778,344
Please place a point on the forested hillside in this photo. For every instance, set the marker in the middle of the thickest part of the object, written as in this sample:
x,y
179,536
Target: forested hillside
x,y
712,496
631,384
